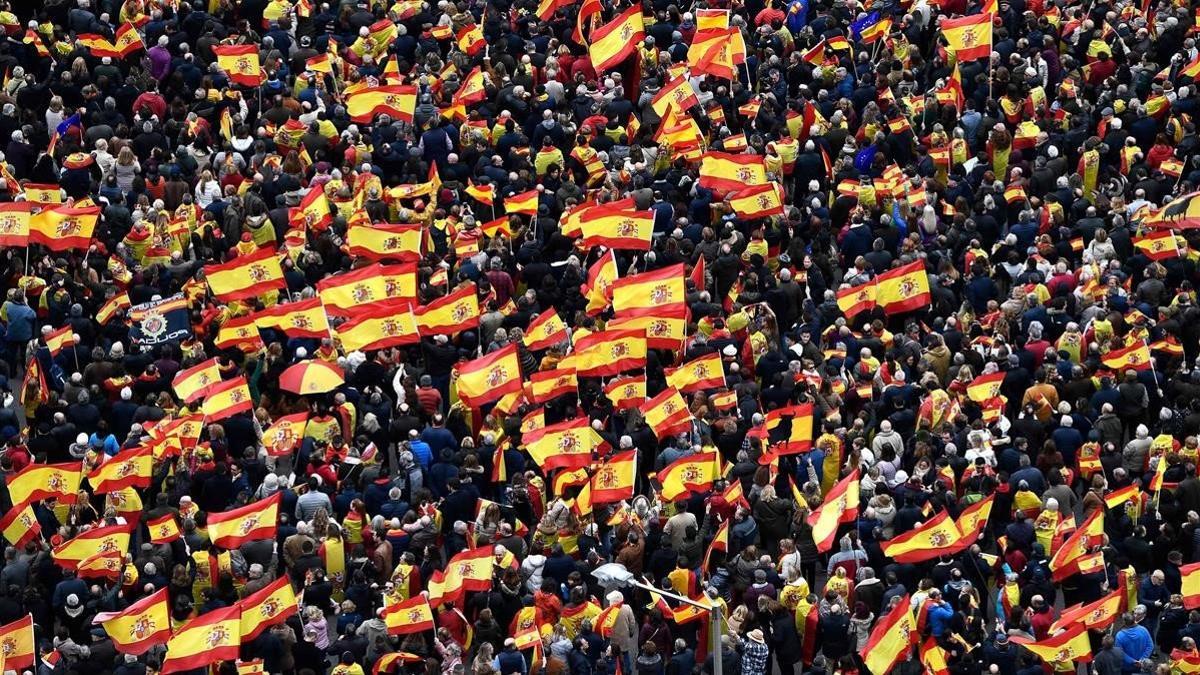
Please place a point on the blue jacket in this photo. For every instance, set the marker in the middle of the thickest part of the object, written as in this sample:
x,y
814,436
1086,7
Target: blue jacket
x,y
939,618
21,320
1135,641
421,452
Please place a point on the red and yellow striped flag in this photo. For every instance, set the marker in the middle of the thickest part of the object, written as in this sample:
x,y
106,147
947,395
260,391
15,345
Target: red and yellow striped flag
x,y
839,506
892,638
545,331
626,392
722,172
379,326
45,481
190,384
666,414
662,288
264,608
227,398
303,319
693,473
344,294
397,101
140,626
14,223
203,641
246,276
62,228
483,380
450,314
547,385
704,372
241,64
164,529
128,468
383,241
566,445
19,645
617,228
968,37
1133,357
903,289
20,525
664,327
252,522
616,40
411,616
113,538
524,202
610,352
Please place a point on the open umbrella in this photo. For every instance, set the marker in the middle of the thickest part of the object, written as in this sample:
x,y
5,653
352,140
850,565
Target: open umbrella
x,y
311,377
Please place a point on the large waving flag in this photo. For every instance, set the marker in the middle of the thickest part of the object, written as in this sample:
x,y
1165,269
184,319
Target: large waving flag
x,y
903,289
613,42
1098,615
609,352
398,101
18,644
110,539
614,478
264,608
383,241
704,372
252,522
759,201
601,276
246,276
411,616
693,473
661,288
14,223
450,314
1070,646
205,640
1074,555
617,228
626,392
226,399
839,506
164,529
664,327
931,539
722,172
678,93
547,330
189,384
798,437
547,385
483,380
241,64
1133,357
128,468
20,525
667,413
892,638
140,626
44,481
62,228
569,444
378,326
971,522
303,319
969,37
344,294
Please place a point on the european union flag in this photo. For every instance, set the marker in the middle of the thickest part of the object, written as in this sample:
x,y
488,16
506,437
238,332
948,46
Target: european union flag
x,y
74,121
862,160
862,24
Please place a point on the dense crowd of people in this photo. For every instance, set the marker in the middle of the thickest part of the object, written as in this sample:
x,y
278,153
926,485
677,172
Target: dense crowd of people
x,y
1024,184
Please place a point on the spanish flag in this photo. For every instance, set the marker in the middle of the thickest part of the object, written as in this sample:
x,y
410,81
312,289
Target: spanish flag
x,y
610,352
1191,585
379,326
19,525
571,221
1070,646
857,299
14,223
398,101
601,276
226,399
246,276
969,37
252,522
470,39
411,616
664,327
140,626
924,542
613,42
384,241
717,52
264,608
241,64
546,385
485,379
667,413
107,565
1099,614
43,193
525,202
203,641
892,638
45,481
113,538
1158,246
985,387
662,288
545,331
722,172
617,228
678,93
614,478
472,90
164,529
62,228
972,520
1067,559
450,314
467,571
17,640
484,194
313,212
903,289
303,319
799,436
98,45
626,392
190,384
344,294
59,340
239,333
566,445
704,372
321,63
693,473
760,201
254,667
128,468
724,400
285,434
1133,357
839,506
127,41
